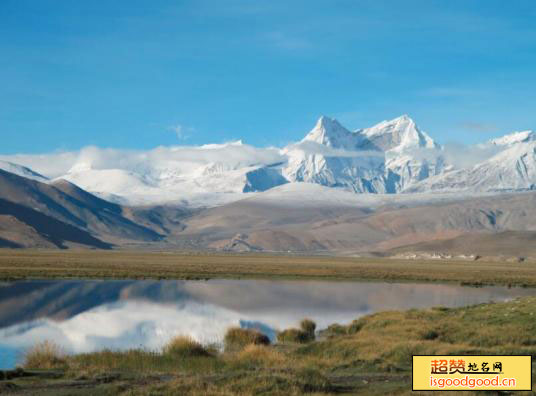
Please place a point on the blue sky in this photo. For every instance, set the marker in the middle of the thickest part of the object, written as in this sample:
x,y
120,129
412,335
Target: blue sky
x,y
130,74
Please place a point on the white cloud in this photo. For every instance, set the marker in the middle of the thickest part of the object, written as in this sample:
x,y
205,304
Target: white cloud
x,y
183,159
232,155
181,131
310,148
467,156
459,155
205,310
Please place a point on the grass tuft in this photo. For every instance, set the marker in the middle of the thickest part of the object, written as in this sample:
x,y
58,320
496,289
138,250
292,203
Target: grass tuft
x,y
293,336
309,327
237,338
184,346
44,355
303,335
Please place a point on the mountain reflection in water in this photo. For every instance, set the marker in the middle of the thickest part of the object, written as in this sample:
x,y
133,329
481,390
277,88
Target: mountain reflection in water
x,y
84,316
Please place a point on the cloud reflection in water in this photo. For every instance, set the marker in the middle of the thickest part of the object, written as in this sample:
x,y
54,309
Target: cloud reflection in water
x,y
84,316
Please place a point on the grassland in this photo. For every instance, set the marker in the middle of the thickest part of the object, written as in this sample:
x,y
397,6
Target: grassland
x,y
371,356
28,264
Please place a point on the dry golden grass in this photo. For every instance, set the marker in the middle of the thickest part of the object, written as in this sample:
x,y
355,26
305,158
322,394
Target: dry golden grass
x,y
387,340
237,338
44,355
22,264
185,346
371,356
261,355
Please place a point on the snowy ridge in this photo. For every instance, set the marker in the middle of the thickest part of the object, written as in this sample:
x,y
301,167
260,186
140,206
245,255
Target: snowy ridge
x,y
513,138
511,169
400,134
22,171
390,157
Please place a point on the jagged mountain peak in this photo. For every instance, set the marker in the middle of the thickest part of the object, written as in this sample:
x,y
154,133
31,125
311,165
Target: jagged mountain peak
x,y
398,134
402,122
327,123
329,132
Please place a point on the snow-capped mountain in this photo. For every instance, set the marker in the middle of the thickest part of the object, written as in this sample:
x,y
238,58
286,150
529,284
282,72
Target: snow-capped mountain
x,y
411,155
513,138
398,135
390,157
328,132
330,155
511,169
175,178
382,159
22,171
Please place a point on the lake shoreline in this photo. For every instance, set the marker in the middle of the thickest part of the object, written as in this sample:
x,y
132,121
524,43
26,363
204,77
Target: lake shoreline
x,y
370,356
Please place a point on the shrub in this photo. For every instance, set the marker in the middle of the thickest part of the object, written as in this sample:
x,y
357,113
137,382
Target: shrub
x,y
185,346
237,338
309,327
44,355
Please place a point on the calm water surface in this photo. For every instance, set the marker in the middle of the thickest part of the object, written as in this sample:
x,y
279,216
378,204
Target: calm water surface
x,y
86,316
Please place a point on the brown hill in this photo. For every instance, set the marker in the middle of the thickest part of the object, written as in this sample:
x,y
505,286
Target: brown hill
x,y
257,225
30,227
35,214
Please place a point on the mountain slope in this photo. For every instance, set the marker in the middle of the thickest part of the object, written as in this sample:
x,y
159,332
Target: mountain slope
x,y
31,228
399,134
308,217
28,201
514,168
22,171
